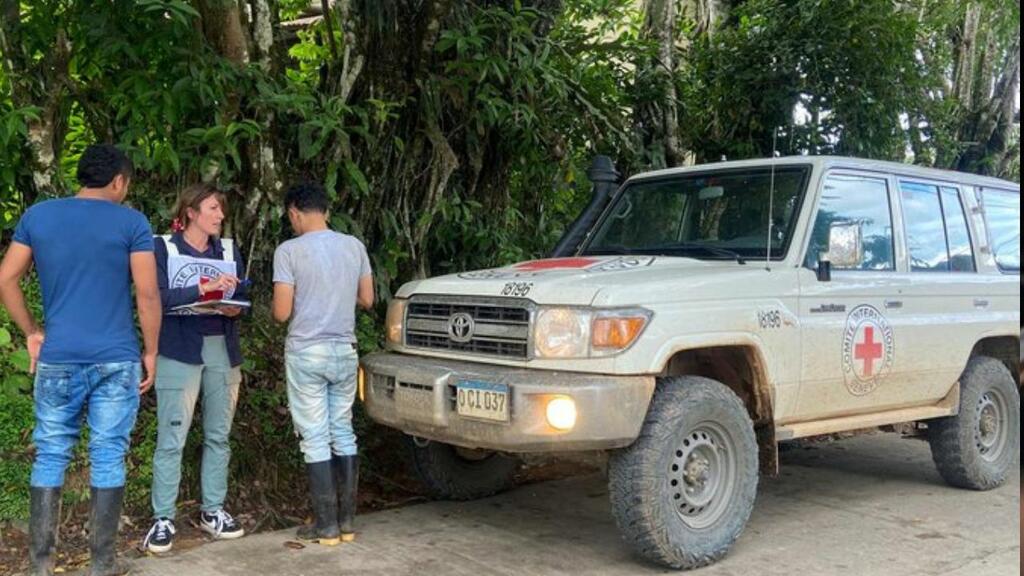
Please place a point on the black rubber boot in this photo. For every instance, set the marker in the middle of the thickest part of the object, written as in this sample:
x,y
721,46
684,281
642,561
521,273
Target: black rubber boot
x,y
323,494
45,517
104,516
347,470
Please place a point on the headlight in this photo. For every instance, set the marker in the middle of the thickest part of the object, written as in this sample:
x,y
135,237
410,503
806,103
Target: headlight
x,y
562,333
583,333
396,319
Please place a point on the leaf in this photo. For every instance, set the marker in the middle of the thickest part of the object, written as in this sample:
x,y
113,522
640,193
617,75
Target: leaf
x,y
357,177
20,360
5,337
174,159
16,383
331,183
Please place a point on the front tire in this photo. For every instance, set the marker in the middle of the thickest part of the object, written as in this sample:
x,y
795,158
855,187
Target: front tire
x,y
452,473
683,493
976,448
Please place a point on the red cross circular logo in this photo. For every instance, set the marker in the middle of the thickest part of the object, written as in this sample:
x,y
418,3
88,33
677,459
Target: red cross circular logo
x,y
869,347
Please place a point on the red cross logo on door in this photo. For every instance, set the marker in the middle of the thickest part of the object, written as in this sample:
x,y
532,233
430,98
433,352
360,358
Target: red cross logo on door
x,y
869,347
869,351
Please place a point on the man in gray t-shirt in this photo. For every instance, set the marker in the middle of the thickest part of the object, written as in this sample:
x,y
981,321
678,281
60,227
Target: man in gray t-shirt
x,y
319,278
325,270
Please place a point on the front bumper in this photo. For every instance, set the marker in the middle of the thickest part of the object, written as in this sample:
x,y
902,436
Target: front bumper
x,y
416,394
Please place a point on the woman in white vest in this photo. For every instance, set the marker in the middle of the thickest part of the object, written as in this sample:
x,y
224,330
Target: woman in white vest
x,y
200,353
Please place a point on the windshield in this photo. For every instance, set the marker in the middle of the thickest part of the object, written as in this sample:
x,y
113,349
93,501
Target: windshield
x,y
709,216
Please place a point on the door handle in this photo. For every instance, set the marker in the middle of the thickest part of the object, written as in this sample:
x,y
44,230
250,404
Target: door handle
x,y
894,304
979,303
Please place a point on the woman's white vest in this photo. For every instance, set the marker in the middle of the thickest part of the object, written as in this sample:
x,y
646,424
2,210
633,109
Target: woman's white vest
x,y
184,270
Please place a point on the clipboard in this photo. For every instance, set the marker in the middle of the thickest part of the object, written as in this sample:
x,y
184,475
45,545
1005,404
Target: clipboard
x,y
213,306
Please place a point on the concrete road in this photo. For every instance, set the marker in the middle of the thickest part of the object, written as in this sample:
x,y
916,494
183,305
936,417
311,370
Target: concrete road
x,y
868,506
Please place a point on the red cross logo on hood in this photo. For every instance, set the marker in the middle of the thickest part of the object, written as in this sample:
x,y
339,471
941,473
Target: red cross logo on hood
x,y
556,264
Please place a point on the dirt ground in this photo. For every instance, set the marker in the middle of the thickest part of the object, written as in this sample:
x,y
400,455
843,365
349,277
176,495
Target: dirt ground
x,y
73,551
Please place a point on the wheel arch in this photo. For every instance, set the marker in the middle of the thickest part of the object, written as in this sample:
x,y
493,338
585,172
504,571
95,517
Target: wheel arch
x,y
742,368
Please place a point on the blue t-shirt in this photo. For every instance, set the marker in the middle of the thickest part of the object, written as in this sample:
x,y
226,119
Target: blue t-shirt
x,y
82,249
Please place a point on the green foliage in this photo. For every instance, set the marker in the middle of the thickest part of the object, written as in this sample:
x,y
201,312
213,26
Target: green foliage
x,y
16,417
846,67
16,420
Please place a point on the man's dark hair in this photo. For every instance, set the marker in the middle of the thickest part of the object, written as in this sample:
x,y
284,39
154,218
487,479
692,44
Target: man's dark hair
x,y
307,197
101,163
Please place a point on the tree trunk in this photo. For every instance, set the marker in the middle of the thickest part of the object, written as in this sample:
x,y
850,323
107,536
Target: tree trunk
x,y
353,57
38,82
657,116
707,15
222,27
988,131
966,56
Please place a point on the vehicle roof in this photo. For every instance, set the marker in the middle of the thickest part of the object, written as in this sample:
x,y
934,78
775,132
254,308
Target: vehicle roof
x,y
827,162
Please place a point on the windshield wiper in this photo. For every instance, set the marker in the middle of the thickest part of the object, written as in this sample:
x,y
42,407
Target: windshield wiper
x,y
691,247
609,251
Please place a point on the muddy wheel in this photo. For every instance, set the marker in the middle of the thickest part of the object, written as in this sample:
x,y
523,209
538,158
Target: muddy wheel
x,y
453,473
683,493
976,448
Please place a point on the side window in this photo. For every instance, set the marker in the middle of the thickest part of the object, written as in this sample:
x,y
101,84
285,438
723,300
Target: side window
x,y
926,228
856,200
961,251
1002,213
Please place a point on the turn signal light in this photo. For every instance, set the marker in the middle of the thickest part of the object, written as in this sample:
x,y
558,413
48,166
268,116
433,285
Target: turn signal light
x,y
361,381
616,333
395,320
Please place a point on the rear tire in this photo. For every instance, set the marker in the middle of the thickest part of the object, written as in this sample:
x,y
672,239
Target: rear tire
x,y
451,473
683,493
976,448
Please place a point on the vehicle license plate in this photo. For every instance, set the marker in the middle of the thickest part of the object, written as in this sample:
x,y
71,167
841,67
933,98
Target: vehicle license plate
x,y
483,401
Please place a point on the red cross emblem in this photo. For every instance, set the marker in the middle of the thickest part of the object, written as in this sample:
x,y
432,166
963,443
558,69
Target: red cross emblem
x,y
869,348
868,351
556,264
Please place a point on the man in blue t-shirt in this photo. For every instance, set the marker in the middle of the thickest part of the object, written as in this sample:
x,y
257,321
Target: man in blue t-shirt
x,y
88,251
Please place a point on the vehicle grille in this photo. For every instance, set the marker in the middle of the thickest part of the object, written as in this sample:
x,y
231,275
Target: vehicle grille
x,y
501,328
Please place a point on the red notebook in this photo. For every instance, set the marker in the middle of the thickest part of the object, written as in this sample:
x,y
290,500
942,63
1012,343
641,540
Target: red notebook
x,y
212,295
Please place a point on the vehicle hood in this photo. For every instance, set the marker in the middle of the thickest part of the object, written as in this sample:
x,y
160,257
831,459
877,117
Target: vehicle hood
x,y
585,281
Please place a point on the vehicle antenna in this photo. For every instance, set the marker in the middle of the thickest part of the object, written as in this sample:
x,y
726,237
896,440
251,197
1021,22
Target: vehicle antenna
x,y
771,200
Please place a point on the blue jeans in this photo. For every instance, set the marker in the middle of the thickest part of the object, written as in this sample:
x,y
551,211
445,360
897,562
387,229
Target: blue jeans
x,y
178,387
105,395
321,392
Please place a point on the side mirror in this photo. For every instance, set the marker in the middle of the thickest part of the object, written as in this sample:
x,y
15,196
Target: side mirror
x,y
845,250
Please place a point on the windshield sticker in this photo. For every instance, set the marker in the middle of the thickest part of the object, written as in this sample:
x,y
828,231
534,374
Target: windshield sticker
x,y
539,267
869,349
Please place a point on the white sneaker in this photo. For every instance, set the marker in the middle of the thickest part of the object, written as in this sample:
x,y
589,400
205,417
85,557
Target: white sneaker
x,y
220,525
160,538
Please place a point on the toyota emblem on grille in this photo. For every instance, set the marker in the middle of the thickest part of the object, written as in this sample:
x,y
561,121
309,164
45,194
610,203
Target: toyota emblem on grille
x,y
461,327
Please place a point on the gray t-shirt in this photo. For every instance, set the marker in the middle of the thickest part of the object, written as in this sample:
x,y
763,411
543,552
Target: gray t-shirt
x,y
325,268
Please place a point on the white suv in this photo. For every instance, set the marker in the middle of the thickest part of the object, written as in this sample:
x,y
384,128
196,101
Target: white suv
x,y
707,314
